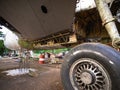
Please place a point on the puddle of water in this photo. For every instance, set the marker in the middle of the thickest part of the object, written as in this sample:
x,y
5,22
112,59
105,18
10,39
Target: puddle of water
x,y
15,72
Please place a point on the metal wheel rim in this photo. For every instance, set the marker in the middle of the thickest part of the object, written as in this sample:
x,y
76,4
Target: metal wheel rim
x,y
88,74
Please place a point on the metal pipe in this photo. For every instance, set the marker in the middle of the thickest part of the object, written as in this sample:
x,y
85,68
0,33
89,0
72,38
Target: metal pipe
x,y
108,22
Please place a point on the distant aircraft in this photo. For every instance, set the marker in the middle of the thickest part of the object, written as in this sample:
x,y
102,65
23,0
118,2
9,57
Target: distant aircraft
x,y
10,39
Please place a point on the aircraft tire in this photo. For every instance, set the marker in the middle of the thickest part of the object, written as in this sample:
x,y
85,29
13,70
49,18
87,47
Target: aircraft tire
x,y
91,66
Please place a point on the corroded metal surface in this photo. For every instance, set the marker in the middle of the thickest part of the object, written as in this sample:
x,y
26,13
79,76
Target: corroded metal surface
x,y
108,22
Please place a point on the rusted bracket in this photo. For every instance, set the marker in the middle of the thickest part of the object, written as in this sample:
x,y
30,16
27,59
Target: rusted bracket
x,y
108,22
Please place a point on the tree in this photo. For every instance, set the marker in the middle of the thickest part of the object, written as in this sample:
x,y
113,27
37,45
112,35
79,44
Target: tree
x,y
25,44
1,34
2,47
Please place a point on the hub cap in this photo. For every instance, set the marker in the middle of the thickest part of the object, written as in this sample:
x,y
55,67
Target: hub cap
x,y
86,78
87,74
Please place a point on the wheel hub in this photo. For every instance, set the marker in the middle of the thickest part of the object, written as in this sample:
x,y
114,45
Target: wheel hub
x,y
87,78
89,75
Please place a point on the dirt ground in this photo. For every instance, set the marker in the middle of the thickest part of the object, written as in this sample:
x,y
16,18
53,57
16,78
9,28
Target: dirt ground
x,y
47,78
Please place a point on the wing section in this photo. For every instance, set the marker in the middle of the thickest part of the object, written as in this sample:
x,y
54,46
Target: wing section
x,y
36,19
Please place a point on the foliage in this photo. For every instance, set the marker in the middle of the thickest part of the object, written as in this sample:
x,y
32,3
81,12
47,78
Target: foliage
x,y
25,44
2,47
56,51
1,34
